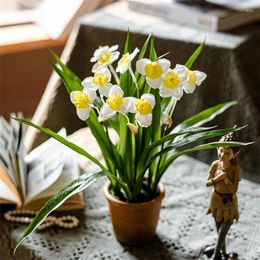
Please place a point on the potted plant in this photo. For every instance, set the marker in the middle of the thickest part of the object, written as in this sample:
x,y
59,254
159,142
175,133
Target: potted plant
x,y
139,106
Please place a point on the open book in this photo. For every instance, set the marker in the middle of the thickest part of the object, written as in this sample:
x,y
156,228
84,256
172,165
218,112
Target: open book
x,y
30,180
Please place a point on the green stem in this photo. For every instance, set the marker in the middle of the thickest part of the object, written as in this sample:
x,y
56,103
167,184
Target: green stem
x,y
135,82
114,74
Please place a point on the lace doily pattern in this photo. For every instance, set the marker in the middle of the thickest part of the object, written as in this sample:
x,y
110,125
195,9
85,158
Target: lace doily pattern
x,y
183,231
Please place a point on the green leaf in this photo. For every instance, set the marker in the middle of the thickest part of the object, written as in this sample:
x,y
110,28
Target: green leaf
x,y
182,142
153,55
107,147
195,55
197,137
63,140
144,48
204,116
53,203
211,145
141,55
150,150
71,80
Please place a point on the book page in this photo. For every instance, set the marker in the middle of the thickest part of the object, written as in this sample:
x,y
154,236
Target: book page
x,y
69,173
16,154
44,175
7,194
47,148
20,156
45,164
5,132
8,190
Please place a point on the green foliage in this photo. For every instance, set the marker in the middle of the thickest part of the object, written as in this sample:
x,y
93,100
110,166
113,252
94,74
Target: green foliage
x,y
142,150
53,203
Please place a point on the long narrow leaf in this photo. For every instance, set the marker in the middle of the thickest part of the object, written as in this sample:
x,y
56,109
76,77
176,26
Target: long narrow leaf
x,y
195,55
197,137
62,140
70,79
107,147
53,203
211,145
168,138
204,116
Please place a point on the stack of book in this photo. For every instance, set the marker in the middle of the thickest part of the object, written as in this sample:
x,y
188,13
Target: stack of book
x,y
212,15
29,180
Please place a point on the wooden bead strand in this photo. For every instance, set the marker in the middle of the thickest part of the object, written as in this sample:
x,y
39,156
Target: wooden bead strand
x,y
25,216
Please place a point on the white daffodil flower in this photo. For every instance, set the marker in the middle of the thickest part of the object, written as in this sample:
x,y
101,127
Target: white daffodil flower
x,y
143,108
195,78
83,101
115,103
153,70
100,81
104,56
124,63
172,82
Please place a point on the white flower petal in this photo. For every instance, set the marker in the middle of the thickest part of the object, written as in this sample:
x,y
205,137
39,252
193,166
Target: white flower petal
x,y
144,120
177,93
181,66
154,83
133,100
165,92
83,114
113,48
114,56
123,68
92,94
72,94
105,90
150,98
116,89
106,111
140,65
97,67
98,51
165,64
181,72
200,76
106,72
188,87
86,80
133,54
86,83
127,105
93,59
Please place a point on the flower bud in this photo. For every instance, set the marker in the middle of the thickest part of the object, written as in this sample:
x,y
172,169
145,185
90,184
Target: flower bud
x,y
133,128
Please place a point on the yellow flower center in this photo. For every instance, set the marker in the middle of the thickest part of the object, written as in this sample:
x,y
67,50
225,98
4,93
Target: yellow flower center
x,y
143,106
192,76
124,60
115,101
104,58
153,70
81,100
171,80
100,79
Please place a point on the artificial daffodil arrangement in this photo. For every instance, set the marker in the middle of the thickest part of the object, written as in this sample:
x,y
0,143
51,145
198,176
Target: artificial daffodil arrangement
x,y
137,99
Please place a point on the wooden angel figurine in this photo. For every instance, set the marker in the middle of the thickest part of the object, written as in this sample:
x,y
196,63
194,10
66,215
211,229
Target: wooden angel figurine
x,y
224,177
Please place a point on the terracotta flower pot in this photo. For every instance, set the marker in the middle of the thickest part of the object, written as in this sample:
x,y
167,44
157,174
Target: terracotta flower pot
x,y
134,223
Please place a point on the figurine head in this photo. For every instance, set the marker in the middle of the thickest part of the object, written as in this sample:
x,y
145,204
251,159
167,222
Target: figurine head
x,y
228,153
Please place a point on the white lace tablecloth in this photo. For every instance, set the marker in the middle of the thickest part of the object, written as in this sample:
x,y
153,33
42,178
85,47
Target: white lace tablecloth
x,y
183,230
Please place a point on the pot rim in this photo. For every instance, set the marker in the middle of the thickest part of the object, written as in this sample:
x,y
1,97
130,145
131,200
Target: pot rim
x,y
141,204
